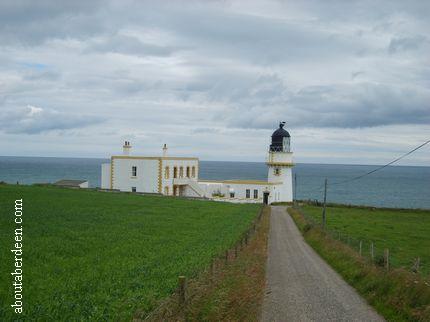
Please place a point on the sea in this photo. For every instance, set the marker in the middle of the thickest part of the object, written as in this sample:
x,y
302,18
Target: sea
x,y
393,186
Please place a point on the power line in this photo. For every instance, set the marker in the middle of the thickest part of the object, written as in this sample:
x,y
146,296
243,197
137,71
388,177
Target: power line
x,y
383,166
374,170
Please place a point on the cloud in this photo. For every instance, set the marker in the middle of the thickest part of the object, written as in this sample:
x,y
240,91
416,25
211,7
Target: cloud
x,y
129,45
187,72
406,43
262,103
29,24
36,120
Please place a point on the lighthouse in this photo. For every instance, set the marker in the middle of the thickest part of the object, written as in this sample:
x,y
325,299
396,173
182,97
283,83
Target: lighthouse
x,y
280,163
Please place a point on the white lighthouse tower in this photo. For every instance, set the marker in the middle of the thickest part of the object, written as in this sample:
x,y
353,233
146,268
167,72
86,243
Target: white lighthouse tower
x,y
280,163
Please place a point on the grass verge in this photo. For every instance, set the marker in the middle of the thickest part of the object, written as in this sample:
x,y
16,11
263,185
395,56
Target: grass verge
x,y
398,295
229,290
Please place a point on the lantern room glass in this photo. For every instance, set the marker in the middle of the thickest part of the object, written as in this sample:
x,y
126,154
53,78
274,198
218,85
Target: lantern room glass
x,y
286,144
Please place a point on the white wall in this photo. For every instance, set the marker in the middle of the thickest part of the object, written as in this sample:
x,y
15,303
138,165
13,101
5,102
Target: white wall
x,y
275,191
171,163
213,187
240,190
105,179
284,192
146,179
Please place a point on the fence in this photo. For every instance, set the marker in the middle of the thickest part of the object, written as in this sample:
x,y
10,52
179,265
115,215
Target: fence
x,y
375,252
188,288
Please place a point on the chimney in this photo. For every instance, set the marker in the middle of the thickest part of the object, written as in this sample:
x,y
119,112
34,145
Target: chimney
x,y
164,150
126,148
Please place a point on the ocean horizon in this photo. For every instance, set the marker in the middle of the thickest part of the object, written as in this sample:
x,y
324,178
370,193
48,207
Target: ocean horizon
x,y
398,186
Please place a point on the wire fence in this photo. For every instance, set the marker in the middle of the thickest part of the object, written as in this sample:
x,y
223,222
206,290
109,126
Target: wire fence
x,y
177,304
375,251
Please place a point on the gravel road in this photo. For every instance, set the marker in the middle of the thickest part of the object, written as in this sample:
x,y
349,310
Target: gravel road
x,y
301,286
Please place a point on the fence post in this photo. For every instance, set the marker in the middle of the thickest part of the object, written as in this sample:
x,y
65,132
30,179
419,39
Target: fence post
x,y
416,266
325,199
235,251
226,256
182,290
361,244
372,254
387,258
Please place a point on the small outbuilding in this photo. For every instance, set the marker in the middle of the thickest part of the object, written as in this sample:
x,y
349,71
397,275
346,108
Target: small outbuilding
x,y
72,183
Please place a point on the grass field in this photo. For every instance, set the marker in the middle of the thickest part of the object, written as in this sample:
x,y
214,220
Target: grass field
x,y
229,290
397,294
95,256
406,233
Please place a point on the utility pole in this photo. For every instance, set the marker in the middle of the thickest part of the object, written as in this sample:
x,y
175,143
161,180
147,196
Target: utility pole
x,y
325,199
295,189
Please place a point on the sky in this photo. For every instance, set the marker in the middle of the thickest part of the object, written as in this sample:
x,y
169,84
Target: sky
x,y
213,79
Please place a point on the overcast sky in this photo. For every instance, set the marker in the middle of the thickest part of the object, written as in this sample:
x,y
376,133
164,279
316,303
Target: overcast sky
x,y
213,79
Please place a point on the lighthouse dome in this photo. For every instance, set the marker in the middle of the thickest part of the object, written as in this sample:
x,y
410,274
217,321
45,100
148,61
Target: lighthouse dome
x,y
280,132
280,139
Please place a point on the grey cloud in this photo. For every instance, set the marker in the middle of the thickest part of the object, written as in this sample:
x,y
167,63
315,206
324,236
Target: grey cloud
x,y
42,75
35,120
356,74
130,45
205,130
31,23
406,43
218,66
344,106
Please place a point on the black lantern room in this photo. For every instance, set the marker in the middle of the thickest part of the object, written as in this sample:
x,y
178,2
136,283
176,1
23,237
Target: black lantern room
x,y
280,140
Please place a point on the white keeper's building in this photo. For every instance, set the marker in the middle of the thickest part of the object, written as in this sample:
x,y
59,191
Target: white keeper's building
x,y
179,176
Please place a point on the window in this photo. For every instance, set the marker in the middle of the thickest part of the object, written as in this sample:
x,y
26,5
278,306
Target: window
x,y
166,191
188,172
193,172
255,194
231,194
134,171
166,173
133,189
181,172
175,172
277,172
248,193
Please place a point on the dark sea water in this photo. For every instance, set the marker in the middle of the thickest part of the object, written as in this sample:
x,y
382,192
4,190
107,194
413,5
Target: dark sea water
x,y
395,186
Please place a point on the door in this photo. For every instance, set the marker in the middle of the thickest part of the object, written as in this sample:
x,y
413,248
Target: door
x,y
266,198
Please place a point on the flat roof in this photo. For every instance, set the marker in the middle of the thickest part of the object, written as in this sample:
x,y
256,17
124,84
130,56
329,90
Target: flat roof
x,y
235,181
68,182
151,158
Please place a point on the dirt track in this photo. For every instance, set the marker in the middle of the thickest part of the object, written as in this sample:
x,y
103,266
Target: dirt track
x,y
301,286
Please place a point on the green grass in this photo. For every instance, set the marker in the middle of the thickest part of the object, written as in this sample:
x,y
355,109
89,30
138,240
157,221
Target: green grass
x,y
94,256
406,233
231,290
